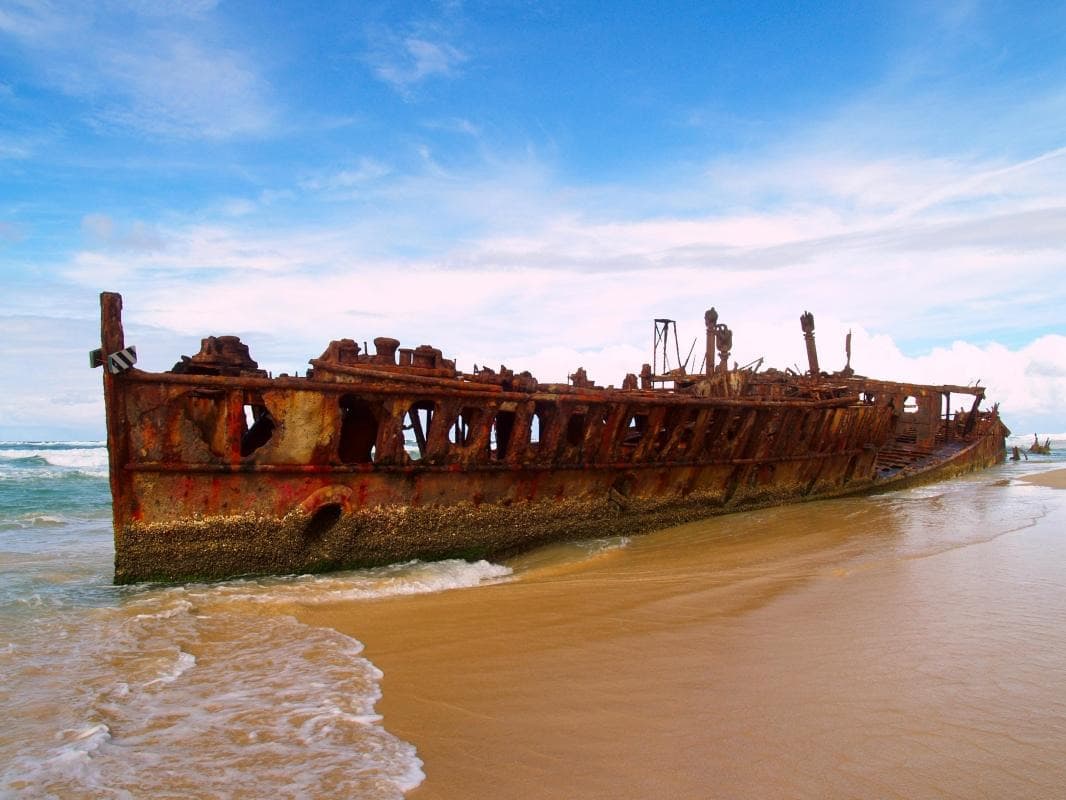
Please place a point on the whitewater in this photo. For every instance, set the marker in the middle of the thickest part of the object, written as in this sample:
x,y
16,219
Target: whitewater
x,y
204,690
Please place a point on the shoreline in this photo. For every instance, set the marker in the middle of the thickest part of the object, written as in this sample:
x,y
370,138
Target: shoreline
x,y
1055,478
816,650
587,679
499,714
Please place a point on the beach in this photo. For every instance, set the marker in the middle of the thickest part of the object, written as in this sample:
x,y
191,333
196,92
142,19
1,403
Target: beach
x,y
901,645
905,646
1056,479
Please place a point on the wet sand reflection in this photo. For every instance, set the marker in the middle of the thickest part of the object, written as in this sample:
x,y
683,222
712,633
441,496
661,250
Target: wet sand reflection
x,y
908,645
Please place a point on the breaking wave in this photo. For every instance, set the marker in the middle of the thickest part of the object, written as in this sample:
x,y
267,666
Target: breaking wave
x,y
47,484
87,458
412,577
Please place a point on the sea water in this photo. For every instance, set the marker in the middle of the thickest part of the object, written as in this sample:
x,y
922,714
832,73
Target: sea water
x,y
165,690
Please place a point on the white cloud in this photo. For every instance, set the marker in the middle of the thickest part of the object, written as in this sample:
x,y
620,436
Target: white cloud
x,y
405,60
550,321
177,87
135,237
507,264
363,171
428,58
892,190
989,265
34,21
310,287
40,403
159,79
237,207
100,226
454,125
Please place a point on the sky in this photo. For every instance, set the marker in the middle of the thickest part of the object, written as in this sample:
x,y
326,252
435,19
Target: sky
x,y
531,184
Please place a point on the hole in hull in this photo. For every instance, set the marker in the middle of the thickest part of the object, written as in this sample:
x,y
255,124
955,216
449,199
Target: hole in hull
x,y
500,436
258,428
322,521
359,431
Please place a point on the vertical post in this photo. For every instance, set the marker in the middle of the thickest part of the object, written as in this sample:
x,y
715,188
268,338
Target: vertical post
x,y
723,339
807,323
112,339
710,319
662,336
677,347
645,377
655,350
971,420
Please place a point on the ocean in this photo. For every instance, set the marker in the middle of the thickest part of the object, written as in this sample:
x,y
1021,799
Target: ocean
x,y
166,691
263,687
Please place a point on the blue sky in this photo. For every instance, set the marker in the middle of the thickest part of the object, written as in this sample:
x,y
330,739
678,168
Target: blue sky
x,y
532,183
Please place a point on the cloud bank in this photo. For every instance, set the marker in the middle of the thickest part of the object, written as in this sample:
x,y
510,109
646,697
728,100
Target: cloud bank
x,y
529,192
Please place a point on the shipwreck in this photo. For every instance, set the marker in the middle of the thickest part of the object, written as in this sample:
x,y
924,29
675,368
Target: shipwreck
x,y
219,469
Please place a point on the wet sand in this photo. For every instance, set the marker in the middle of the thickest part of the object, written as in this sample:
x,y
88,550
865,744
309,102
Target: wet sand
x,y
1056,479
880,647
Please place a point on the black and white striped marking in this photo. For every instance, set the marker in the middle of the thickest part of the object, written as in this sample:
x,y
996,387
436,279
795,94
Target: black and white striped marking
x,y
122,360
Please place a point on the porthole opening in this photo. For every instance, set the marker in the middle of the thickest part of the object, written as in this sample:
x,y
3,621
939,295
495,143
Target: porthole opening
x,y
535,428
258,428
634,430
322,521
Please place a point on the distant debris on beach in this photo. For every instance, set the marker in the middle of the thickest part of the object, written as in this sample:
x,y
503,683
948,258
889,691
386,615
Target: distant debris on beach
x,y
1036,448
1040,449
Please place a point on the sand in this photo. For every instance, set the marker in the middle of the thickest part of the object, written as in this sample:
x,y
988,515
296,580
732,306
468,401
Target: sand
x,y
1056,479
839,649
586,680
523,691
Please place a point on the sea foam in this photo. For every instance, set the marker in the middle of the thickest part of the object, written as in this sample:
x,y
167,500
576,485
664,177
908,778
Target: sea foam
x,y
88,459
195,700
181,690
412,577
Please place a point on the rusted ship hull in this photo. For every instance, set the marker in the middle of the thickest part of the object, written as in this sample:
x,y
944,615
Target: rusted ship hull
x,y
218,470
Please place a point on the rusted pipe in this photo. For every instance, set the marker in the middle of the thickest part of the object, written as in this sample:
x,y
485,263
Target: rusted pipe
x,y
710,318
807,323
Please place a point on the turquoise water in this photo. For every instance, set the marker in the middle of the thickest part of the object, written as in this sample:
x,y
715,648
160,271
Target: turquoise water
x,y
197,690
